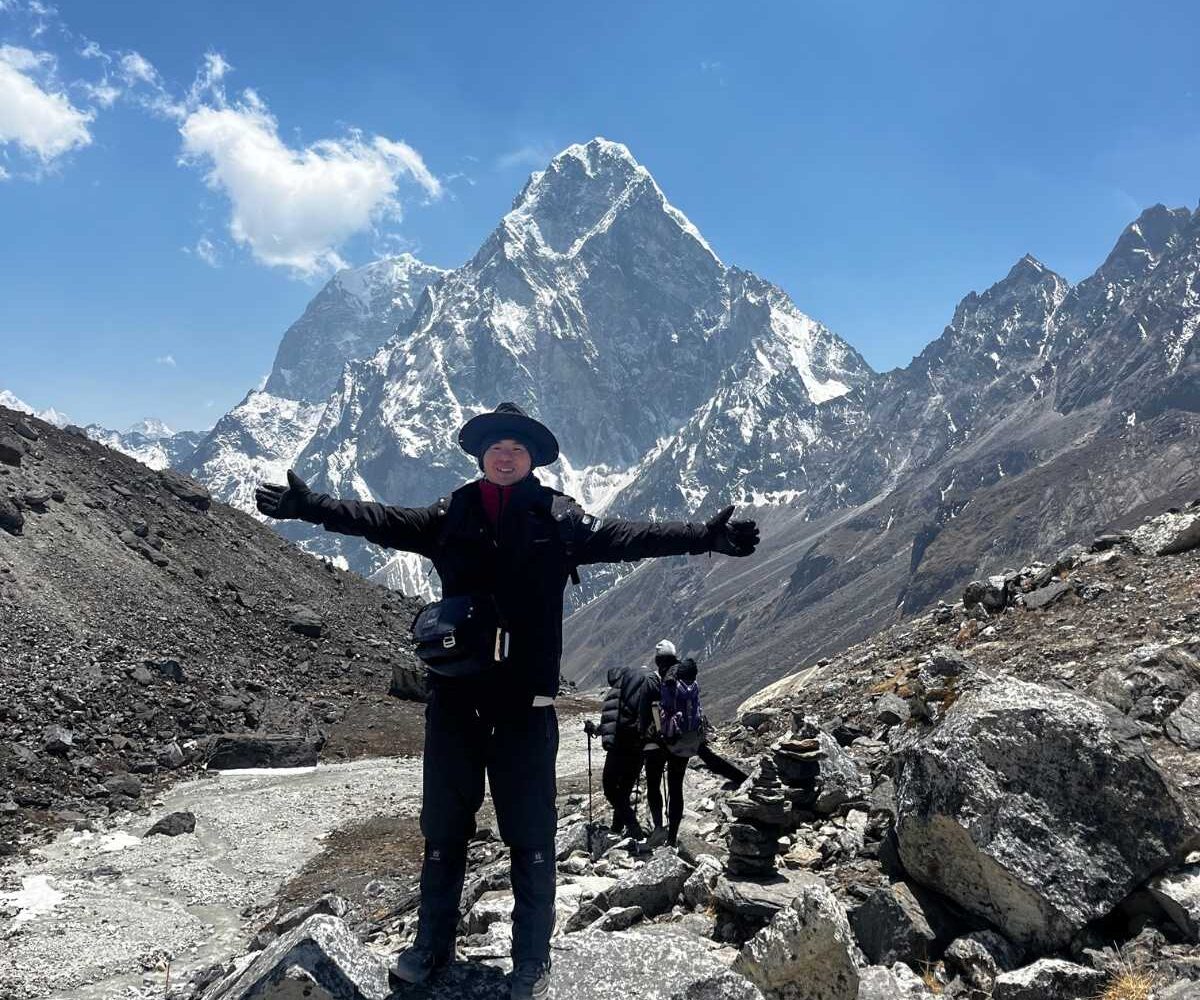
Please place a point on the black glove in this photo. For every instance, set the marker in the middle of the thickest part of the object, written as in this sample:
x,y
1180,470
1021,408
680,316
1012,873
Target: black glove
x,y
731,538
589,727
285,502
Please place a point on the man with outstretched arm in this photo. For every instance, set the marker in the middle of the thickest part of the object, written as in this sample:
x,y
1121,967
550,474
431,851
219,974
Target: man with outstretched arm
x,y
504,547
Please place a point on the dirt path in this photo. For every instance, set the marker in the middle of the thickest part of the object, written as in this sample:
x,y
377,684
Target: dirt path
x,y
90,916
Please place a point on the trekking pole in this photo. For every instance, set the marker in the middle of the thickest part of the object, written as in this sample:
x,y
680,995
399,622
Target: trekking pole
x,y
589,727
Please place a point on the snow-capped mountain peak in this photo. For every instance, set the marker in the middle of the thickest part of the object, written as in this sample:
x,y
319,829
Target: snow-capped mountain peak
x,y
151,428
581,193
50,414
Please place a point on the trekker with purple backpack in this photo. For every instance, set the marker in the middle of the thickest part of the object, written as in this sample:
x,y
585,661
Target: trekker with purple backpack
x,y
675,732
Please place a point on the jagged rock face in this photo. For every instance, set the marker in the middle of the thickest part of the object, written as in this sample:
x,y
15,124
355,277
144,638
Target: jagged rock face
x,y
806,952
1033,809
257,441
1128,330
349,318
1020,429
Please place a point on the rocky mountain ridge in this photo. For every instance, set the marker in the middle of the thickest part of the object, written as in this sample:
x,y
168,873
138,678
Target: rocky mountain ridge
x,y
986,448
140,620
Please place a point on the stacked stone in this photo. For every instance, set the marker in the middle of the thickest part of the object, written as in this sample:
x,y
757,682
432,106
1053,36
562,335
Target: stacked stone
x,y
761,816
798,763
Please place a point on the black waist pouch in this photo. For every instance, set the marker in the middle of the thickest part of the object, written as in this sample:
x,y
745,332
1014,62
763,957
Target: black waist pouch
x,y
459,636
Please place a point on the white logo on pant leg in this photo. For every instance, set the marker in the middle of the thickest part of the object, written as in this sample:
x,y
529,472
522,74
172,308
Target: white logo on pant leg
x,y
538,858
435,855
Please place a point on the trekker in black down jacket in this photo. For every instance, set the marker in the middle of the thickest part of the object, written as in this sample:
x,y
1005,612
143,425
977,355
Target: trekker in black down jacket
x,y
621,737
510,541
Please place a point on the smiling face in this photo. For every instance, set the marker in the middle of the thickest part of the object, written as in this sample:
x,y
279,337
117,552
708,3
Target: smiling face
x,y
506,462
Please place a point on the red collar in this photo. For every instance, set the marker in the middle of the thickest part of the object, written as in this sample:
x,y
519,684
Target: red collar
x,y
495,499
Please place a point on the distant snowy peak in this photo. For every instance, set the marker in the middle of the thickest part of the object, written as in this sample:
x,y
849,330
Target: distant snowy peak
x,y
581,193
151,428
387,285
50,415
355,313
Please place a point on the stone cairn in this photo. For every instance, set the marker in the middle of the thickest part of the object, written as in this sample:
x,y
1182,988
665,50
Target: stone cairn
x,y
798,762
771,806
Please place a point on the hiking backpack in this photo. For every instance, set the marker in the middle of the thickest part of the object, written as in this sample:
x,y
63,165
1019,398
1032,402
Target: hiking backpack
x,y
682,720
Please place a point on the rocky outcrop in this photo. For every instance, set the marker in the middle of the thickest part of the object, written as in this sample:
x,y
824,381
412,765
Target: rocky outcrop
x,y
806,952
1031,808
319,955
230,751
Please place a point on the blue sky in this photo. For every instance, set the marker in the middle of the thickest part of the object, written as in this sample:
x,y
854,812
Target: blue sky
x,y
878,160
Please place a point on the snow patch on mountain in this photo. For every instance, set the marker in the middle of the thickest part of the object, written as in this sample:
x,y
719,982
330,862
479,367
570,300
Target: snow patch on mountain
x,y
50,414
257,441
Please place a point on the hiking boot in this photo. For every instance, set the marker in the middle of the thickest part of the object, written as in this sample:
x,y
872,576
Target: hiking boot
x,y
418,964
530,981
658,837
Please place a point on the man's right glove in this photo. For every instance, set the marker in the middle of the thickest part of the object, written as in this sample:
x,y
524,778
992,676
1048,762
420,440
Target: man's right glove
x,y
285,502
731,538
590,728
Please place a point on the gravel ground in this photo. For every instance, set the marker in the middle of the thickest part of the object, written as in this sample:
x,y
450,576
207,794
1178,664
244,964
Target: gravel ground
x,y
127,902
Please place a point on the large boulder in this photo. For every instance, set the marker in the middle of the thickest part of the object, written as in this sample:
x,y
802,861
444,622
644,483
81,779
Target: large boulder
x,y
1049,979
1167,534
1178,893
654,887
1149,683
1035,810
231,751
661,961
185,489
321,957
758,899
806,952
892,927
1183,725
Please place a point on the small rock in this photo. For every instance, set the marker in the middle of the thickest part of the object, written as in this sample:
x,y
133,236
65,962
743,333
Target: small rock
x,y
11,518
57,740
173,825
1049,979
129,785
306,622
321,956
11,451
619,918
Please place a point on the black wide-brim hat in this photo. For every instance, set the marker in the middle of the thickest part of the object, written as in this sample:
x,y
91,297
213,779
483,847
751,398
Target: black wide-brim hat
x,y
508,420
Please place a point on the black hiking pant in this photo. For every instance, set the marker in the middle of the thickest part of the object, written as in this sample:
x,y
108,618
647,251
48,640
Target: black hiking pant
x,y
659,760
622,765
473,729
719,765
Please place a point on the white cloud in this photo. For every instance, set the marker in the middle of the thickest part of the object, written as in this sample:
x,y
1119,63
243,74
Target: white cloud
x,y
206,251
40,121
103,93
167,360
137,69
293,207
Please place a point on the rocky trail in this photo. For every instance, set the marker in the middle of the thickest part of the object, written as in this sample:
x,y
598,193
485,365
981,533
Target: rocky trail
x,y
96,914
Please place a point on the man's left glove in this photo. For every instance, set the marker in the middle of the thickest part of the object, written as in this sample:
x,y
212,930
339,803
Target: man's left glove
x,y
295,500
731,538
590,728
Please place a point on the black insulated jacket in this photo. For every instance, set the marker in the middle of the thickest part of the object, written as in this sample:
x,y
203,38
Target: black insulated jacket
x,y
542,536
